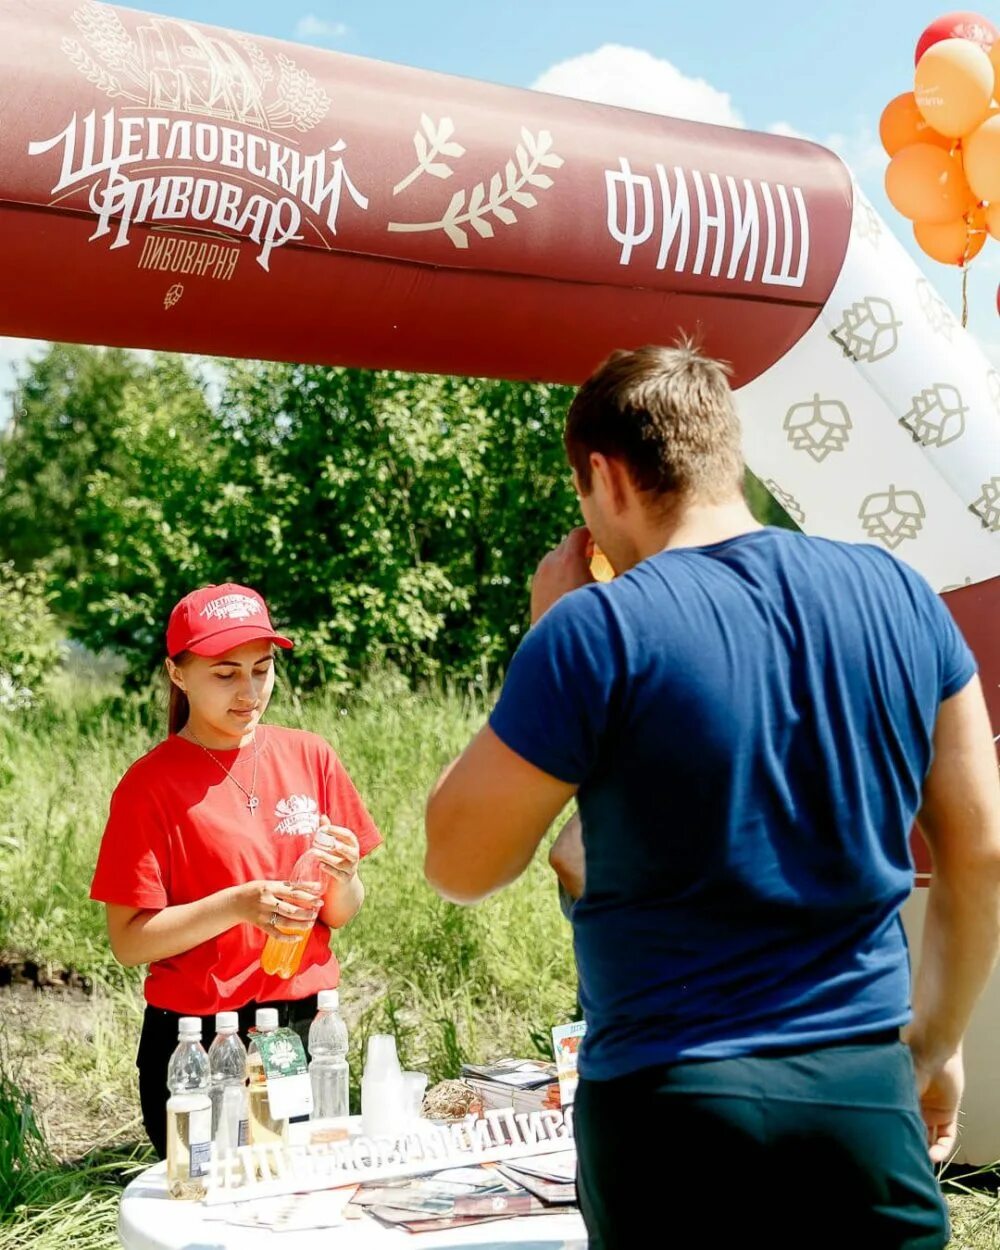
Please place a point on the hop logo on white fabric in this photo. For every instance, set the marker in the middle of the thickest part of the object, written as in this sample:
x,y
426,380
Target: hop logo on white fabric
x,y
787,501
892,516
937,417
231,608
987,506
866,224
939,316
818,426
868,331
299,813
993,385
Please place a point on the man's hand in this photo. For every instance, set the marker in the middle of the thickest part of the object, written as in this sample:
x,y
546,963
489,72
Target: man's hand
x,y
565,568
940,1089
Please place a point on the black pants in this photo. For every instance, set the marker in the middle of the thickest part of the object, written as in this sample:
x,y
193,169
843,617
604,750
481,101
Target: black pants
x,y
822,1149
157,1042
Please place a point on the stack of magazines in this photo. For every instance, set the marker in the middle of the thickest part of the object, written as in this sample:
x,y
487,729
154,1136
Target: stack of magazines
x,y
454,1198
524,1084
550,1178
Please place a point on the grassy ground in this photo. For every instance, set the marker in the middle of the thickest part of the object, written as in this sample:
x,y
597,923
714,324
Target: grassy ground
x,y
451,983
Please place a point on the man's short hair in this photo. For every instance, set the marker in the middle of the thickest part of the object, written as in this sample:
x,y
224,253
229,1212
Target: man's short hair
x,y
667,413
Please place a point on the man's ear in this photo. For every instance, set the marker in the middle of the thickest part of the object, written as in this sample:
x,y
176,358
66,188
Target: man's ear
x,y
614,478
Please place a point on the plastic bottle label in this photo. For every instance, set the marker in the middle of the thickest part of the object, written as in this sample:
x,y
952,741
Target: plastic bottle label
x,y
200,1141
289,1089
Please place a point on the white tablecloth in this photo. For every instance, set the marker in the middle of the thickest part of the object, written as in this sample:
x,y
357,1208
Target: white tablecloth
x,y
149,1220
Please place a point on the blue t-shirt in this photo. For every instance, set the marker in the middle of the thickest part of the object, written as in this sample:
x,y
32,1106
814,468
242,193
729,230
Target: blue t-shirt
x,y
750,724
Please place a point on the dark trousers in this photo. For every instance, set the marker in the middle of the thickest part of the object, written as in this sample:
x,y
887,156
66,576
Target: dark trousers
x,y
822,1149
159,1038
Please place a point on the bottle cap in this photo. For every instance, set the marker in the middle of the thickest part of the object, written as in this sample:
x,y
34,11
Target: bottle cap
x,y
328,1000
226,1021
266,1018
189,1026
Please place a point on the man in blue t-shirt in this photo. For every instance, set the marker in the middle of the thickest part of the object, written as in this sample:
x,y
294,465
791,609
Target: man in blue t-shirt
x,y
750,720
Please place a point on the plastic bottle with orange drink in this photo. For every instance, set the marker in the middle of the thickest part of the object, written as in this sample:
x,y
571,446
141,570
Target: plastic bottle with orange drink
x,y
310,874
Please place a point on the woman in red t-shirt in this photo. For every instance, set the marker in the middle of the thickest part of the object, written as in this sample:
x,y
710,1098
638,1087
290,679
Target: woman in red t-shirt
x,y
204,831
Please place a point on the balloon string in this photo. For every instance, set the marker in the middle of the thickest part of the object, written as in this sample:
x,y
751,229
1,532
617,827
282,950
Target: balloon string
x,y
965,296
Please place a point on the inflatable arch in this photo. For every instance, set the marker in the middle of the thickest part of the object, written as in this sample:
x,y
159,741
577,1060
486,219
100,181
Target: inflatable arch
x,y
165,184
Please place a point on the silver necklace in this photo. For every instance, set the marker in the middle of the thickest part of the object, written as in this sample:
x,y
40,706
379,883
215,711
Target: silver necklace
x,y
253,802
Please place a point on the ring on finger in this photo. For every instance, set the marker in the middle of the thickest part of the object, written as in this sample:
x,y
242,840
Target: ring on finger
x,y
273,922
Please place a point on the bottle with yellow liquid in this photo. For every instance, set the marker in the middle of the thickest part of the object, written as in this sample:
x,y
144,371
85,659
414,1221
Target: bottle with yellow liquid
x,y
263,1126
189,1114
282,958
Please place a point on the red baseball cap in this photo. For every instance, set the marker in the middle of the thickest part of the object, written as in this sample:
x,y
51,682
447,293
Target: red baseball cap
x,y
215,619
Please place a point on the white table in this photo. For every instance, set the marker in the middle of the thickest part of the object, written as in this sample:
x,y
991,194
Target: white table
x,y
149,1220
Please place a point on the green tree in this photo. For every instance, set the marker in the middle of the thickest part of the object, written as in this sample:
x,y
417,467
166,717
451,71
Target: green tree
x,y
66,413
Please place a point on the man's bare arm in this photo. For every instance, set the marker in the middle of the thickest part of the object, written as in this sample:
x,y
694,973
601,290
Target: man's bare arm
x,y
960,819
485,818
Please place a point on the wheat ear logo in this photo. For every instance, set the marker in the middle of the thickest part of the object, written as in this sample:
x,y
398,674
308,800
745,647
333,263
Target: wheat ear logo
x,y
473,209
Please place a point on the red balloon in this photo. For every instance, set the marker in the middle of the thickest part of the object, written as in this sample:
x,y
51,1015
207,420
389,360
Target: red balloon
x,y
962,25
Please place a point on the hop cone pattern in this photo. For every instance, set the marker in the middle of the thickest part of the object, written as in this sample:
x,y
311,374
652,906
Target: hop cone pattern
x,y
818,426
866,224
937,417
987,506
787,501
939,316
993,384
868,330
892,516
173,295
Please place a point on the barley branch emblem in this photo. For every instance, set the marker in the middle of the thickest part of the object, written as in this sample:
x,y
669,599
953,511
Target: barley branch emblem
x,y
510,187
430,142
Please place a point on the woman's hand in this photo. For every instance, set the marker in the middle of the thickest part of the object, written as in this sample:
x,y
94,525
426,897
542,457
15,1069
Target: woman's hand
x,y
341,863
278,908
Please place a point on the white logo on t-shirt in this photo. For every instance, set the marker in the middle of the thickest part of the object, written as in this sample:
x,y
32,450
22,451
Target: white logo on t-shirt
x,y
297,814
231,608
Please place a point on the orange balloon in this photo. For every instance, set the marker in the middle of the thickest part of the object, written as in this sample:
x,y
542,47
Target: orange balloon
x,y
981,158
953,85
954,243
902,123
993,220
925,183
995,61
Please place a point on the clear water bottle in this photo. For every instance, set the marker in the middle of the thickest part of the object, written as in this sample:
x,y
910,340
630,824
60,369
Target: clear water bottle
x,y
328,1070
189,1113
227,1062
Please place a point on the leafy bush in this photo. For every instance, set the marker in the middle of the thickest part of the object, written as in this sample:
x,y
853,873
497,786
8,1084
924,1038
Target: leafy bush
x,y
29,646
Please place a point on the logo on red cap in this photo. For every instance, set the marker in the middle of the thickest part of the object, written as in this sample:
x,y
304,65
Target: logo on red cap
x,y
215,619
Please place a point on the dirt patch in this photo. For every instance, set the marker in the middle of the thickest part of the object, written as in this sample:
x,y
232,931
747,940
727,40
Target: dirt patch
x,y
72,1052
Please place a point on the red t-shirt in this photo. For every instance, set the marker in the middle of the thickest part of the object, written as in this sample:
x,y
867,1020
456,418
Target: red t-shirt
x,y
179,829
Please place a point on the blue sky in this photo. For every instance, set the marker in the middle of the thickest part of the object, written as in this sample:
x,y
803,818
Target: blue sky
x,y
823,70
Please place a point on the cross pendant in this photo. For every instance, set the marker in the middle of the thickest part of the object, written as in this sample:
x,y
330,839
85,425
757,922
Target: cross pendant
x,y
252,803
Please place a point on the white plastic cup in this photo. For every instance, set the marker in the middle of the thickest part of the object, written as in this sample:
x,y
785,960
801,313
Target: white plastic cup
x,y
382,1059
414,1086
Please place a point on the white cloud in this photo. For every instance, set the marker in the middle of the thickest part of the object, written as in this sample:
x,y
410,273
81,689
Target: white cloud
x,y
318,28
633,78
